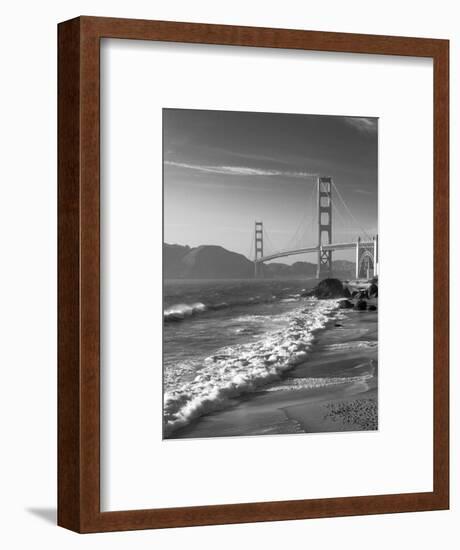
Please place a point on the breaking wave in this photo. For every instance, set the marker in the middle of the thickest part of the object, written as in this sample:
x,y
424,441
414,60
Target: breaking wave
x,y
239,369
179,312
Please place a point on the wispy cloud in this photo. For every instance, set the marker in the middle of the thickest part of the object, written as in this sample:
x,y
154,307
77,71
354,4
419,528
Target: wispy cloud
x,y
362,191
271,158
362,124
238,170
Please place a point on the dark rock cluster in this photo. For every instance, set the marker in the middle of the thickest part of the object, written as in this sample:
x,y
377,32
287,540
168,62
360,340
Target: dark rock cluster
x,y
367,294
358,305
334,288
327,289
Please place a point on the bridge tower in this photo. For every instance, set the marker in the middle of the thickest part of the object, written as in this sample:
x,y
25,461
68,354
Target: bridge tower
x,y
258,248
367,260
324,267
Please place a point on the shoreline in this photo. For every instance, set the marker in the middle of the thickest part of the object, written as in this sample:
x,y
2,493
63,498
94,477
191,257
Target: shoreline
x,y
334,390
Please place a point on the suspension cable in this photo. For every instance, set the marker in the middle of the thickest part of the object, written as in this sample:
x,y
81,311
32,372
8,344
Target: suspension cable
x,y
267,237
350,213
345,222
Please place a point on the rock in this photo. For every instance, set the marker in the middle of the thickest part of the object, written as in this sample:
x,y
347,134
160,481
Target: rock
x,y
329,288
345,304
307,294
362,295
361,305
346,292
373,291
372,308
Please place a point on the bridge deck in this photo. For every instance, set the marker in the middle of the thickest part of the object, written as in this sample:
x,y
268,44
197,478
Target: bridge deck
x,y
332,246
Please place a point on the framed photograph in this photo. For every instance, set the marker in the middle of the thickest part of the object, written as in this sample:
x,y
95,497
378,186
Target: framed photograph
x,y
253,274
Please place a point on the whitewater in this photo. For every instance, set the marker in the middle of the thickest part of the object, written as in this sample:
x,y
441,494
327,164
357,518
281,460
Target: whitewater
x,y
230,339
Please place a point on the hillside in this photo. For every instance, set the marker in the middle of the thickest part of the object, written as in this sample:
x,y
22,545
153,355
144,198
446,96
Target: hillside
x,y
215,262
204,262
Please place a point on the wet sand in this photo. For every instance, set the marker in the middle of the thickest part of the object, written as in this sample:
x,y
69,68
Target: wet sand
x,y
335,390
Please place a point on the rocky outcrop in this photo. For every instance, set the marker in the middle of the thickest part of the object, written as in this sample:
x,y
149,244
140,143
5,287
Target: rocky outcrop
x,y
373,291
346,292
327,289
361,305
345,304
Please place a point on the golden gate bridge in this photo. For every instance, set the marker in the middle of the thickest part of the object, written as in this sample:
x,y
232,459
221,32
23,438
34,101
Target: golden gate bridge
x,y
365,247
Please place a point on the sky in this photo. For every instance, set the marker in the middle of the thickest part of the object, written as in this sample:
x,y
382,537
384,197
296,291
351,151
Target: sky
x,y
224,170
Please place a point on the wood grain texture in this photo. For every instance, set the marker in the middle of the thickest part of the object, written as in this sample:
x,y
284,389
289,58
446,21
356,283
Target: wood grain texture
x,y
79,276
68,275
441,275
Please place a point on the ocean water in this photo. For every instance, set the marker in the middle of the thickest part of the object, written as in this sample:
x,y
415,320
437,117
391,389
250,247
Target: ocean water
x,y
225,339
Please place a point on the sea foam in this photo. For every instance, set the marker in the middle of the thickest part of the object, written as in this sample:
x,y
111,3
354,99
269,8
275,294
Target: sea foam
x,y
179,312
353,345
238,369
296,384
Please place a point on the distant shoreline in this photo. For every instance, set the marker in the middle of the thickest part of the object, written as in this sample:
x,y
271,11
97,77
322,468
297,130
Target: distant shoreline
x,y
216,262
235,279
300,278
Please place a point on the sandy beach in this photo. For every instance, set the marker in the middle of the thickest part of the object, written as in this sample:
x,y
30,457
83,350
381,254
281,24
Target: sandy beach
x,y
334,390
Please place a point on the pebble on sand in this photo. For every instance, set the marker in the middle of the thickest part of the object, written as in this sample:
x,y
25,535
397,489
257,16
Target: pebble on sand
x,y
361,412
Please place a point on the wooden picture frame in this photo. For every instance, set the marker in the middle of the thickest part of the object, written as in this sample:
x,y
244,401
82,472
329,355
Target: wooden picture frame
x,y
79,274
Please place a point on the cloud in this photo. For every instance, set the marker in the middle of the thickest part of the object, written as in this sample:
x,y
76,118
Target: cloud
x,y
362,191
362,124
238,170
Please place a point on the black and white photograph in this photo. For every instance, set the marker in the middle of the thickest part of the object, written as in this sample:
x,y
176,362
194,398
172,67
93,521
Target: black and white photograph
x,y
270,273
